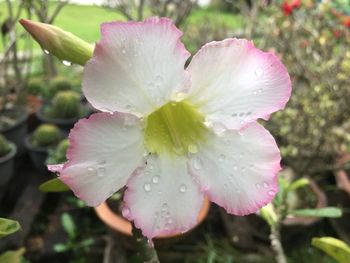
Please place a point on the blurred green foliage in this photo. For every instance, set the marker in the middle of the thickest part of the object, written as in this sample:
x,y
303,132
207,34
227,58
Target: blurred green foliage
x,y
5,147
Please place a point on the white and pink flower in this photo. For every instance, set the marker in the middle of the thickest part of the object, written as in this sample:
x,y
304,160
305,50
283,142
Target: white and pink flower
x,y
173,135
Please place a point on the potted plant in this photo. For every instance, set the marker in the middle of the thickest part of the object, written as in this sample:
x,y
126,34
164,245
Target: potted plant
x,y
56,85
110,213
7,153
58,154
44,138
65,110
13,126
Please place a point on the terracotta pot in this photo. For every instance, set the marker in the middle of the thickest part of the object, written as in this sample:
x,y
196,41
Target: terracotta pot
x,y
321,202
341,176
123,226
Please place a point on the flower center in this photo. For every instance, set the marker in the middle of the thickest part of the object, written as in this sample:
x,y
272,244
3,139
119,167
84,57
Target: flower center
x,y
176,127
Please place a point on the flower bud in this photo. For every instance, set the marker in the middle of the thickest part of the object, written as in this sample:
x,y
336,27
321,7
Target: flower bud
x,y
62,44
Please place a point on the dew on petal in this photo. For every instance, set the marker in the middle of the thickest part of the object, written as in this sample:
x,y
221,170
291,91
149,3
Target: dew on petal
x,y
183,188
197,163
147,187
91,171
271,193
258,72
218,128
155,179
222,157
258,186
159,80
123,51
265,185
101,171
192,148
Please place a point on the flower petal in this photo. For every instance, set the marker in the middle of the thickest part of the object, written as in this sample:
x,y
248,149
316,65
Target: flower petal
x,y
136,66
162,198
237,169
104,151
234,83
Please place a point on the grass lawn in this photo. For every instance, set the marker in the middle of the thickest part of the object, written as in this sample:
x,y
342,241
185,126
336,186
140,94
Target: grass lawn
x,y
84,21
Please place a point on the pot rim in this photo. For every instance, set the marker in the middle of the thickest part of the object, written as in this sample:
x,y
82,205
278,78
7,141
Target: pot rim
x,y
40,115
20,121
121,225
11,154
41,149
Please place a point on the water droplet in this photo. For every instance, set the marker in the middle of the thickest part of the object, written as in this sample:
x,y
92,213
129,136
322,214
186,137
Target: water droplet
x,y
192,148
241,114
260,90
258,72
254,92
227,142
158,80
167,226
155,179
218,128
170,221
197,163
265,185
222,157
101,171
165,207
243,169
91,171
46,51
258,186
147,187
235,168
126,212
271,193
66,63
123,51
249,113
183,188
233,115
207,123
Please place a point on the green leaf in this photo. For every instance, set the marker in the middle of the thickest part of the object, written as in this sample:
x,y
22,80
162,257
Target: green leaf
x,y
8,226
59,248
335,248
320,212
62,44
12,256
268,214
69,225
87,242
298,184
53,185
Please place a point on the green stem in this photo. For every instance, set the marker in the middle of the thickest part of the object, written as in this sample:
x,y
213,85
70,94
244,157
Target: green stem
x,y
146,251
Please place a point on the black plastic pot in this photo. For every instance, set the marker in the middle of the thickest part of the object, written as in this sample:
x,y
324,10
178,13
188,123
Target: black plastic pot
x,y
64,124
37,155
18,131
7,165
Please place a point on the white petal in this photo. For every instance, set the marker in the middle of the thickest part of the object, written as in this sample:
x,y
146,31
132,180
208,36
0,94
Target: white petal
x,y
237,169
104,151
162,198
234,83
136,67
